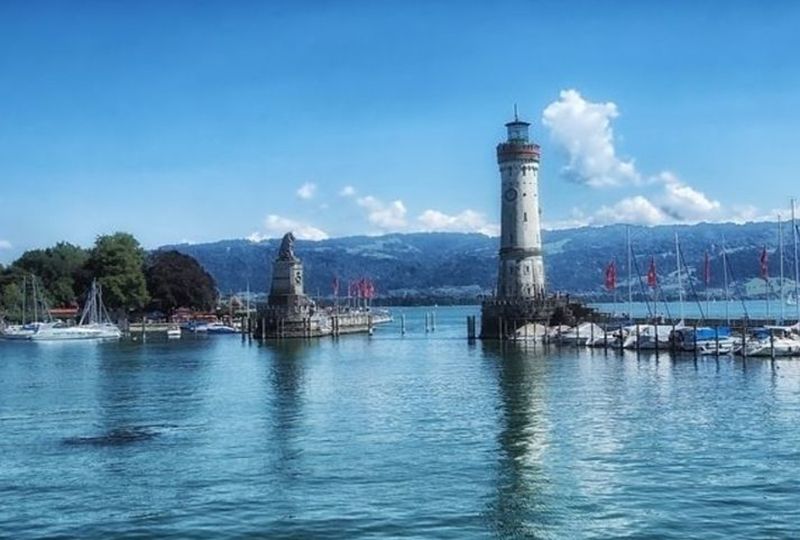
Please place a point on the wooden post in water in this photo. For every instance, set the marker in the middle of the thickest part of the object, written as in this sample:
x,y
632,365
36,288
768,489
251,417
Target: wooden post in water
x,y
637,339
433,321
772,343
402,324
744,339
655,331
694,338
716,339
673,344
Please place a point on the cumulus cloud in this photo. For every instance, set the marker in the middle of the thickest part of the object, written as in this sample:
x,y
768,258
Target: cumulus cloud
x,y
673,202
307,191
347,191
386,216
5,244
633,210
684,203
276,226
583,130
466,221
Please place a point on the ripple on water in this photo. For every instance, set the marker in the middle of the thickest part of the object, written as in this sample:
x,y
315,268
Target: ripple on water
x,y
420,437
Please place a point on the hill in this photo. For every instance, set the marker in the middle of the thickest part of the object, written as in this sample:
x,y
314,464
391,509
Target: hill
x,y
459,264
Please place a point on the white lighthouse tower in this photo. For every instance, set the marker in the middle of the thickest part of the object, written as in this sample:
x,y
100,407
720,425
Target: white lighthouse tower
x,y
521,271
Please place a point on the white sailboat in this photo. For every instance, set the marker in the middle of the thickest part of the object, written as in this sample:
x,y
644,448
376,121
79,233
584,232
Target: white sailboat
x,y
40,313
95,324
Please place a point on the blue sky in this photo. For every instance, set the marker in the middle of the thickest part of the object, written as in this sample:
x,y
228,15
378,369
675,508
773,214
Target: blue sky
x,y
197,121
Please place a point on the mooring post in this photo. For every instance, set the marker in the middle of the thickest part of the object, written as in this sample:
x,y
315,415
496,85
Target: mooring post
x,y
433,321
716,339
263,328
772,343
403,324
744,339
655,331
694,338
637,338
673,342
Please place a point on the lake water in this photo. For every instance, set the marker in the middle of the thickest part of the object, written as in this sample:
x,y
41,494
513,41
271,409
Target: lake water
x,y
422,436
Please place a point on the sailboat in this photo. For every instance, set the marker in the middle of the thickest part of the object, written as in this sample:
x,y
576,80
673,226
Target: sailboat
x,y
40,313
95,324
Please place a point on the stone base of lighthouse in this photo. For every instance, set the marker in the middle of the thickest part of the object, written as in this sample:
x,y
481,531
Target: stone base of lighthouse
x,y
501,318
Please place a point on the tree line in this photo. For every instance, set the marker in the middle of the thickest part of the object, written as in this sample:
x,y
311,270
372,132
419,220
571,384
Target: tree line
x,y
132,279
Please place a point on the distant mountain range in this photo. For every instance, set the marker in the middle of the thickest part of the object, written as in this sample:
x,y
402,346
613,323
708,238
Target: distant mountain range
x,y
465,265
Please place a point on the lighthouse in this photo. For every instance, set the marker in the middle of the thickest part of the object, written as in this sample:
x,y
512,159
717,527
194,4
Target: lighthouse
x,y
521,308
521,267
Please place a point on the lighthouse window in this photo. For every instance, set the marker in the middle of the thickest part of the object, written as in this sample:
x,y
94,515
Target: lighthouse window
x,y
524,170
525,216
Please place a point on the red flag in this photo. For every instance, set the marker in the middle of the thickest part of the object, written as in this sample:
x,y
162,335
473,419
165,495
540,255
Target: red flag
x,y
764,261
335,286
652,276
611,276
707,270
362,288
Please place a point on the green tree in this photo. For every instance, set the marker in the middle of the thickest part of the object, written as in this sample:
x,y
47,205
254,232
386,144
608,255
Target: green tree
x,y
117,262
60,269
11,302
177,280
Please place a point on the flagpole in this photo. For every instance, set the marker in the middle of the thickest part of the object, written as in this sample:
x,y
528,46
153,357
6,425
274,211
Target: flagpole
x,y
796,266
765,272
630,273
707,281
680,285
780,255
725,281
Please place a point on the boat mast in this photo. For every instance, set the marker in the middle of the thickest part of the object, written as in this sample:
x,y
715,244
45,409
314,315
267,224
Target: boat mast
x,y
24,296
630,272
35,299
725,282
780,255
680,284
796,265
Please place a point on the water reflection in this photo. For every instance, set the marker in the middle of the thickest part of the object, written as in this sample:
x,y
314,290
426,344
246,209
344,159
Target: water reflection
x,y
520,508
286,377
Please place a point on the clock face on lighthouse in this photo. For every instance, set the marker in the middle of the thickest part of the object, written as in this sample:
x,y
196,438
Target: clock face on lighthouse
x,y
510,195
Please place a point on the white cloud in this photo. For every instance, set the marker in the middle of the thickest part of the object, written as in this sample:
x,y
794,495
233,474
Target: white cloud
x,y
347,191
636,210
386,216
276,226
5,244
307,190
466,221
583,130
684,203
